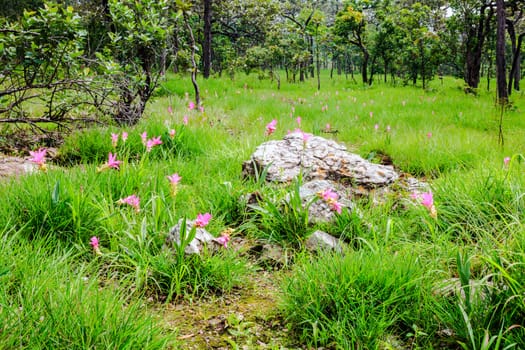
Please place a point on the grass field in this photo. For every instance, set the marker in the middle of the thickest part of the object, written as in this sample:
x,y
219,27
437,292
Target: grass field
x,y
406,281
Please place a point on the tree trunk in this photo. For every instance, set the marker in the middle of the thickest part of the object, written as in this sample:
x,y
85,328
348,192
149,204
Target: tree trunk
x,y
501,78
193,62
474,47
515,76
364,68
206,44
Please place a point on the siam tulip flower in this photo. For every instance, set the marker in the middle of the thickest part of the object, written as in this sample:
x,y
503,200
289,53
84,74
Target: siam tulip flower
x,y
170,109
327,127
201,109
191,105
336,206
111,163
152,143
388,128
39,157
144,137
271,127
202,220
223,239
172,133
185,120
174,181
114,139
306,136
429,135
328,195
506,161
124,136
376,127
298,120
94,243
427,200
132,201
371,114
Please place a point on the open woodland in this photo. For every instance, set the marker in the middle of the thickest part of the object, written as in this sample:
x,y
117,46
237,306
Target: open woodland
x,y
134,115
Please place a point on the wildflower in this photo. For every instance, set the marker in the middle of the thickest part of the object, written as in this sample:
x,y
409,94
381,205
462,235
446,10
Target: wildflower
x,y
185,120
172,133
371,114
327,127
202,220
201,109
376,127
336,206
329,195
506,161
39,157
298,120
132,201
306,136
152,143
427,200
111,163
94,243
388,128
170,109
174,181
114,139
223,239
270,127
429,135
191,105
144,137
124,136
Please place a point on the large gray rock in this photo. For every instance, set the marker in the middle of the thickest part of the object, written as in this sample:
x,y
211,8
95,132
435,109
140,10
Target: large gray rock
x,y
317,158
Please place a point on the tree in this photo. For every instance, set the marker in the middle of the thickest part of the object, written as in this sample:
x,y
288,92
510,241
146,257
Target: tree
x,y
207,41
351,25
500,53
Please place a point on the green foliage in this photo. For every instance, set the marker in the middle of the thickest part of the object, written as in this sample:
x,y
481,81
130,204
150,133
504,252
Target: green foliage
x,y
354,300
48,302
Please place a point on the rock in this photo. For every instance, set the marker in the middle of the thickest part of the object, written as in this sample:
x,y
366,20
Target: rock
x,y
319,210
202,238
318,158
320,240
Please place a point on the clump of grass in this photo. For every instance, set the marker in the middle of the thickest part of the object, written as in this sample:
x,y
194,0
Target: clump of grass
x,y
353,300
49,302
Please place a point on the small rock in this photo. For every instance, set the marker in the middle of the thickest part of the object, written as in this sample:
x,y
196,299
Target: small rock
x,y
202,237
320,240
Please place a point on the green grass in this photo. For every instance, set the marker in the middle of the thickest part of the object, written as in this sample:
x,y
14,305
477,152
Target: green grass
x,y
381,292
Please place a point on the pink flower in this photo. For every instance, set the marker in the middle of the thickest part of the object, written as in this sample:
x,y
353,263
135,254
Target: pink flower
x,y
144,137
174,179
427,200
114,139
201,109
328,195
94,243
152,143
172,133
298,120
327,127
388,128
376,127
223,239
191,105
132,201
506,161
371,114
429,135
306,136
170,109
336,206
202,220
124,136
39,157
271,127
185,120
113,162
